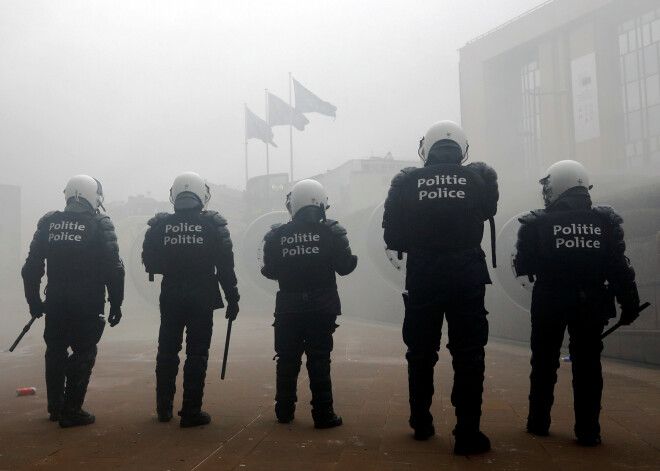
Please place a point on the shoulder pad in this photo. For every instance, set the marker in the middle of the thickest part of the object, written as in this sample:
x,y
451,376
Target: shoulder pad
x,y
104,222
401,176
608,214
157,218
335,228
272,234
44,219
531,216
215,218
486,172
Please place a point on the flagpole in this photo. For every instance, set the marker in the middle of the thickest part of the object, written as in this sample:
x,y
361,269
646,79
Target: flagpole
x,y
267,158
246,144
290,128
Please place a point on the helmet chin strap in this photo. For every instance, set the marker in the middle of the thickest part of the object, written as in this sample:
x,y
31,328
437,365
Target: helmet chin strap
x,y
420,150
466,156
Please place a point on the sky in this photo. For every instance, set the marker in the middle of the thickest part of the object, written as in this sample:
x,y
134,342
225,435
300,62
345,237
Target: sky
x,y
134,92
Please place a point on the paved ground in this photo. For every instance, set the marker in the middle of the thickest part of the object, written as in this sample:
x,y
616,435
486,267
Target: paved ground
x,y
369,374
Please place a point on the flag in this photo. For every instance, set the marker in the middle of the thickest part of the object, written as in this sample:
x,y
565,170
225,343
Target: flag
x,y
279,112
307,102
255,127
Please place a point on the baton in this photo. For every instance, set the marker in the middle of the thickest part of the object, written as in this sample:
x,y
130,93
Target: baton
x,y
25,329
224,360
618,324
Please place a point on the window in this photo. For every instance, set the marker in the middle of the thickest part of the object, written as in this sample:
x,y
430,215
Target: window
x,y
639,50
530,78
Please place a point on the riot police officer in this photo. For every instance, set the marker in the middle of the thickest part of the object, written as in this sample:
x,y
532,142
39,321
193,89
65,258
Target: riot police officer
x,y
81,248
303,256
573,250
192,249
436,215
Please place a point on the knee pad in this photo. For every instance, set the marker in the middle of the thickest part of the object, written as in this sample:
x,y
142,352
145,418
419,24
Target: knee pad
x,y
417,359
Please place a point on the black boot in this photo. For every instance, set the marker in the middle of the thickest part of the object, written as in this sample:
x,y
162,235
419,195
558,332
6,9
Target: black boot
x,y
421,422
78,372
55,377
286,389
194,375
587,426
470,443
424,432
194,419
538,424
164,408
326,418
420,397
320,384
469,440
285,411
167,368
72,418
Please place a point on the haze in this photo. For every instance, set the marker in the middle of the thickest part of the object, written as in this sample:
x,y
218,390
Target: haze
x,y
134,92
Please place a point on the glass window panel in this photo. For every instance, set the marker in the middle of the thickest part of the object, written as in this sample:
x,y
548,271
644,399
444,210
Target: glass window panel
x,y
642,94
628,25
633,98
622,69
648,17
634,126
631,67
630,150
632,40
653,90
623,43
636,162
646,35
651,59
655,31
654,120
655,157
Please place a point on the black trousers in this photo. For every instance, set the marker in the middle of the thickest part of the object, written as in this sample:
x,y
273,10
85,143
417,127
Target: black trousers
x,y
69,325
309,333
177,315
468,334
554,311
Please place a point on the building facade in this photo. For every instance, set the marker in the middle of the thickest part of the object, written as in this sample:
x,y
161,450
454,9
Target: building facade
x,y
574,79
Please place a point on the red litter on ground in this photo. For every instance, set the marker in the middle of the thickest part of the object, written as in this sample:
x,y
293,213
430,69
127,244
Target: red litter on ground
x,y
26,391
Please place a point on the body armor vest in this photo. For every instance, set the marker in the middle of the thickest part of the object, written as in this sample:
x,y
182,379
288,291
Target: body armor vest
x,y
72,248
573,248
304,257
180,245
441,208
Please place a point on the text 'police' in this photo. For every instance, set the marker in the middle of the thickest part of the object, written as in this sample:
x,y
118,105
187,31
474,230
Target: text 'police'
x,y
577,233
297,244
65,227
439,191
182,233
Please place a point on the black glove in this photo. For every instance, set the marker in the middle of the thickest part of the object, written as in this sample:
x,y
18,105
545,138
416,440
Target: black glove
x,y
37,309
232,311
628,314
115,315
